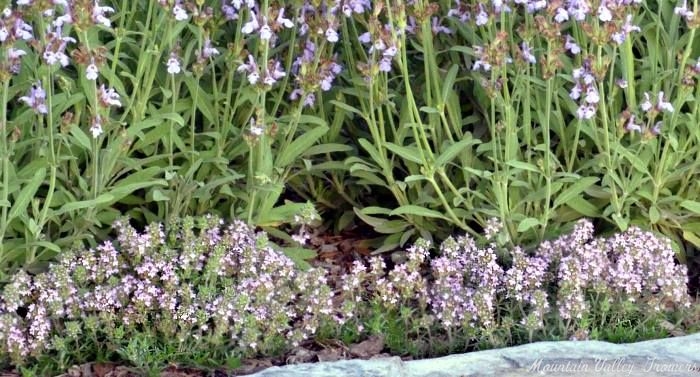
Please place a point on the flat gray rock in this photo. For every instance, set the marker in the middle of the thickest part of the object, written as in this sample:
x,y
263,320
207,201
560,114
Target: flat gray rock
x,y
672,357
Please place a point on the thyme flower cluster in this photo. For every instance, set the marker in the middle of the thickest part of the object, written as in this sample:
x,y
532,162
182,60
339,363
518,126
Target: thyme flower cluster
x,y
229,285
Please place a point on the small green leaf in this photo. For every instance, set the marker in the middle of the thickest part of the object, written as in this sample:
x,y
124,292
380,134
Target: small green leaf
x,y
327,148
637,163
429,110
523,166
583,207
415,178
621,222
528,223
81,137
72,206
348,108
692,238
574,190
449,81
414,210
370,220
374,210
299,146
299,256
373,152
453,150
27,193
159,196
691,205
279,215
392,226
407,153
654,214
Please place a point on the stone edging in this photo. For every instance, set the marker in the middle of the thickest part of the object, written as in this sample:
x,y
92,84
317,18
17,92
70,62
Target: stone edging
x,y
663,357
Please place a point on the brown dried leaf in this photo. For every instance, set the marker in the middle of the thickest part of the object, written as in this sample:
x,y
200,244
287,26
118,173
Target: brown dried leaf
x,y
300,355
671,328
254,365
103,370
330,354
370,347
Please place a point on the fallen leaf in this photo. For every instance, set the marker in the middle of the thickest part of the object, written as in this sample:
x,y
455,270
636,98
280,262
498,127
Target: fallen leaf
x,y
330,354
369,347
671,328
299,355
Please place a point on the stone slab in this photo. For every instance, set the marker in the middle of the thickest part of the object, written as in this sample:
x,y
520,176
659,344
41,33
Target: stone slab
x,y
672,357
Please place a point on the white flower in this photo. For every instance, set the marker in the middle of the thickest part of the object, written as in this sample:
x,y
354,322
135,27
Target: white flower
x,y
255,129
646,105
592,95
562,15
631,126
98,15
604,14
109,97
585,112
664,106
173,64
251,25
331,35
571,45
91,73
179,13
96,128
284,21
265,31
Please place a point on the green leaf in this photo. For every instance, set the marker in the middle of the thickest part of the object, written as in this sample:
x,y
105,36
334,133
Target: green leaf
x,y
373,152
692,238
348,108
574,190
407,153
374,210
122,190
27,193
527,224
415,178
392,226
280,214
523,166
72,206
429,110
654,214
691,205
583,207
414,210
327,148
370,220
637,163
299,256
174,117
159,196
453,150
621,222
81,137
204,99
449,82
299,146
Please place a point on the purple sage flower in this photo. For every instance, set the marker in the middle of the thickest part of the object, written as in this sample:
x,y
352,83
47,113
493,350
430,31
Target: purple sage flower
x,y
36,99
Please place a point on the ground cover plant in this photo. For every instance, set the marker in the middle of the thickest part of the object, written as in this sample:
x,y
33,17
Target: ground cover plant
x,y
502,120
201,293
